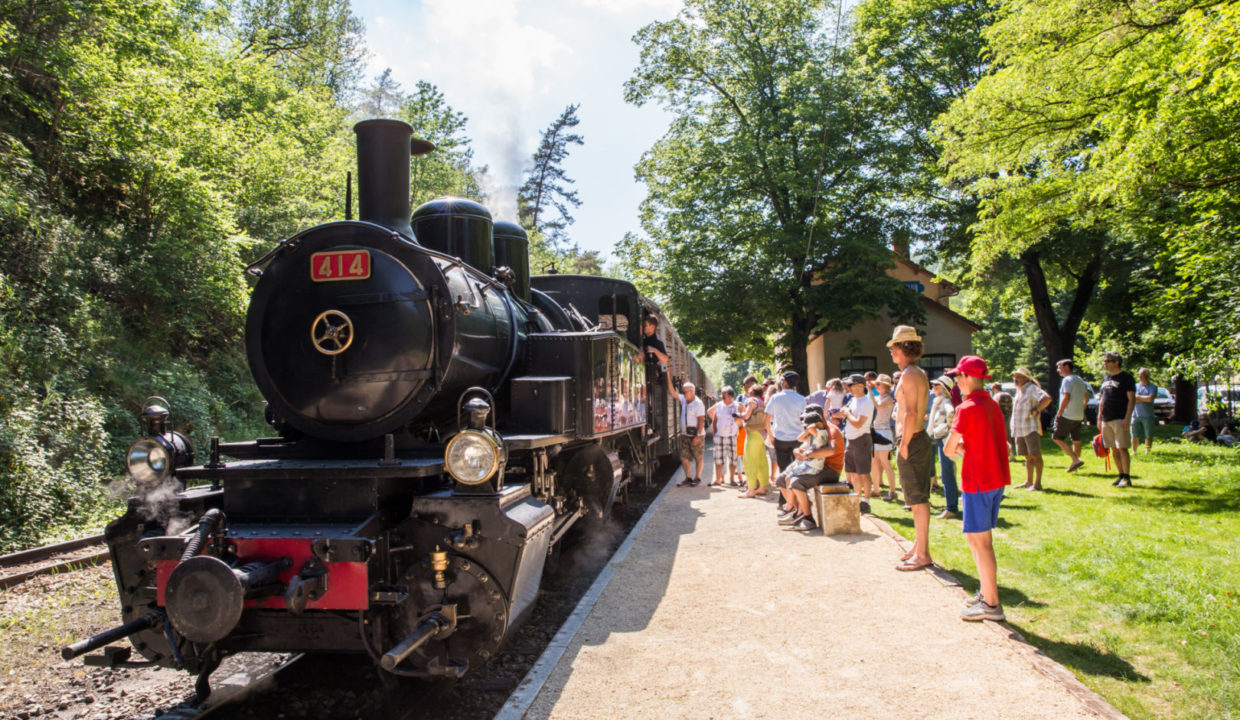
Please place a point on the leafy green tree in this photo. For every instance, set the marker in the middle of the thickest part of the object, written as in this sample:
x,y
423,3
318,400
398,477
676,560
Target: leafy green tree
x,y
1114,119
314,43
450,169
762,214
546,185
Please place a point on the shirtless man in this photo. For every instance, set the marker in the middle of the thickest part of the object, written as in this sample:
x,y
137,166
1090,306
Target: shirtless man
x,y
915,455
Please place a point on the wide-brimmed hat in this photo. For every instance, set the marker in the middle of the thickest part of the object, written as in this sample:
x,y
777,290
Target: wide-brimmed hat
x,y
945,381
884,379
971,365
1027,374
904,333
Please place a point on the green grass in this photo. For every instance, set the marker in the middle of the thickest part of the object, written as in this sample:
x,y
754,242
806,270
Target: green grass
x,y
1137,591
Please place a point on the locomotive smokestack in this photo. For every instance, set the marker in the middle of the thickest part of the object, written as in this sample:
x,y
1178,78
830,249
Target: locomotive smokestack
x,y
383,154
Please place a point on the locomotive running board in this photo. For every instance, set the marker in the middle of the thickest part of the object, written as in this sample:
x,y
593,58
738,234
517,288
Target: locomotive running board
x,y
316,469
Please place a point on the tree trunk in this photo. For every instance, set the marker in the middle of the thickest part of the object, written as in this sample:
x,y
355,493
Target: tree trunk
x,y
1185,399
1058,339
798,346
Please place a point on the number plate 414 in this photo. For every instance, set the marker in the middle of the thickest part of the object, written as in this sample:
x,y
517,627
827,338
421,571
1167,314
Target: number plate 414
x,y
340,265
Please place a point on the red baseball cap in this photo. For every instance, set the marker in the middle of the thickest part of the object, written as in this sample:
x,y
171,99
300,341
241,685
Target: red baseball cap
x,y
970,365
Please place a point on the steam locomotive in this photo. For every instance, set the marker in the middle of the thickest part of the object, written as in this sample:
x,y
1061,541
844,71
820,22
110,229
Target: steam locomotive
x,y
442,419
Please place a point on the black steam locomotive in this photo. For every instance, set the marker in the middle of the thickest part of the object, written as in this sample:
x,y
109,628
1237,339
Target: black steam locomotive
x,y
442,420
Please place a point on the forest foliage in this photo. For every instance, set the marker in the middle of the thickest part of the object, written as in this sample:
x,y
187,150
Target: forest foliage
x,y
150,149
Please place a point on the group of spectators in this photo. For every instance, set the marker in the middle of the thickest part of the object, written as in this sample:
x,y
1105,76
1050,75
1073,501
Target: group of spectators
x,y
847,431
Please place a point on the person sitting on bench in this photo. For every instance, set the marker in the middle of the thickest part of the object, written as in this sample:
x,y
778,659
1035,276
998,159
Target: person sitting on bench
x,y
819,459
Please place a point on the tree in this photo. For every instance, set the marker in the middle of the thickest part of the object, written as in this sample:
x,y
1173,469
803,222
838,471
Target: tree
x,y
546,185
1119,119
314,43
450,169
762,214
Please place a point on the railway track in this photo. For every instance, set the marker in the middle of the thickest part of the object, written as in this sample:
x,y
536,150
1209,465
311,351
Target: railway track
x,y
18,567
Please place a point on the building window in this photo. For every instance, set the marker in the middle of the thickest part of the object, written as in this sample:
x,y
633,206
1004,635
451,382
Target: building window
x,y
859,364
935,363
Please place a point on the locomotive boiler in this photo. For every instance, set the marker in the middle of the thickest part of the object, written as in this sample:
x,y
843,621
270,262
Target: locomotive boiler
x,y
441,421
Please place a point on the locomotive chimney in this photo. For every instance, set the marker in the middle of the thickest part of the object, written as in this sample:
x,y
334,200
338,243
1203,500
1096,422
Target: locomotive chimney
x,y
383,154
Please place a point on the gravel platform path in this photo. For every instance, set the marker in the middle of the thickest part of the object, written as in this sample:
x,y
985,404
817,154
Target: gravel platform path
x,y
717,612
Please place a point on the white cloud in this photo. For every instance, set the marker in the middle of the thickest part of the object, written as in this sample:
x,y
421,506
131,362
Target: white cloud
x,y
624,7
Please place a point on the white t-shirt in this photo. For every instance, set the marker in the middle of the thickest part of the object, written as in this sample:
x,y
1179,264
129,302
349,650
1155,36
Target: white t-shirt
x,y
862,407
725,418
836,400
690,412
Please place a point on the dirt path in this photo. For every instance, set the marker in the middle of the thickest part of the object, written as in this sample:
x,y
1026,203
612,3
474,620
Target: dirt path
x,y
717,612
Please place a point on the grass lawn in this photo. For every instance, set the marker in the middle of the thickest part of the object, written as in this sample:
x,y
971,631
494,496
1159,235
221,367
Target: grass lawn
x,y
1137,591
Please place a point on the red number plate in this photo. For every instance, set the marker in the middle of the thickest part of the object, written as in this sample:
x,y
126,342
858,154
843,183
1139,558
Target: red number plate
x,y
340,265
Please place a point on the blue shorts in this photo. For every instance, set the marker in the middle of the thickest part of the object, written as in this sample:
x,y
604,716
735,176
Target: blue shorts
x,y
981,510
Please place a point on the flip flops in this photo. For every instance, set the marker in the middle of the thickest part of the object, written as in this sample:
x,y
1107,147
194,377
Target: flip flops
x,y
911,566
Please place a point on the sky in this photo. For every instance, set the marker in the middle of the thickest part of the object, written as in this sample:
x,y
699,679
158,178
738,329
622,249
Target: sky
x,y
512,66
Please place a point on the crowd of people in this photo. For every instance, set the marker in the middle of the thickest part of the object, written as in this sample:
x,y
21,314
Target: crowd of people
x,y
860,430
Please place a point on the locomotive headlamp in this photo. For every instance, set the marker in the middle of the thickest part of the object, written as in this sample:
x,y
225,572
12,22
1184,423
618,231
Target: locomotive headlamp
x,y
149,461
152,459
472,457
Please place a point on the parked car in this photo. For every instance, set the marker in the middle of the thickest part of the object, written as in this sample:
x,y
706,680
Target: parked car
x,y
1164,405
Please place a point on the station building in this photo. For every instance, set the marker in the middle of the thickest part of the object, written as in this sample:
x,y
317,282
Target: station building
x,y
947,334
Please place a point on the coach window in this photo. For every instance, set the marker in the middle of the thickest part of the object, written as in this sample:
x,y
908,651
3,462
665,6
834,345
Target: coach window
x,y
935,363
858,364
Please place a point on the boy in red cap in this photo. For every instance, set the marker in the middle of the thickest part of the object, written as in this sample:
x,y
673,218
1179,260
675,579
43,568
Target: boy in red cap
x,y
979,434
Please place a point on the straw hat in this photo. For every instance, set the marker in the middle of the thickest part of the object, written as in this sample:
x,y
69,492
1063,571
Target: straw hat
x,y
885,379
945,381
904,333
1026,374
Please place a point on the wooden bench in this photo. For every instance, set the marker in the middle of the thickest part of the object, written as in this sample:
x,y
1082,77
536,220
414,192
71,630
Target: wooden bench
x,y
839,509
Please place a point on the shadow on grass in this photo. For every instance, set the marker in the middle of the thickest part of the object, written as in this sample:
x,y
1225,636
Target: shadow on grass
x,y
1009,596
1083,658
1071,493
1180,500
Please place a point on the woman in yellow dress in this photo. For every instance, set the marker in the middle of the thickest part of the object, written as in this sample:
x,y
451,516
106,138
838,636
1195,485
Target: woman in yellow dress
x,y
757,471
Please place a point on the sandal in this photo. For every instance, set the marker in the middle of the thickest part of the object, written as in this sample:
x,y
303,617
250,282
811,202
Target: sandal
x,y
911,566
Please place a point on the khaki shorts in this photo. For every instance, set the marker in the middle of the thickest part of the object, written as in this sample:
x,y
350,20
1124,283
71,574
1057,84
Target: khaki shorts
x,y
690,450
1030,444
1114,435
915,470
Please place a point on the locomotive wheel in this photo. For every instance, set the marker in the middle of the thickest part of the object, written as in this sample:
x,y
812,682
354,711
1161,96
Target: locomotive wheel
x,y
589,476
481,608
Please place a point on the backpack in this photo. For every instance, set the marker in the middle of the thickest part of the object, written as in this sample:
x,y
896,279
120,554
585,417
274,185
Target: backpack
x,y
1101,450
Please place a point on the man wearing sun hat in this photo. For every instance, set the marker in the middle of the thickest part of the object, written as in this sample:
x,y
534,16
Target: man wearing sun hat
x,y
978,433
1027,409
914,452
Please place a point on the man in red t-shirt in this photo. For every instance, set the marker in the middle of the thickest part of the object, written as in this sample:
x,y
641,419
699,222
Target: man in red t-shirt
x,y
978,432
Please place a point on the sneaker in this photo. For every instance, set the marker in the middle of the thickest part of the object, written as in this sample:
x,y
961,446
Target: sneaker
x,y
974,599
1077,465
791,519
687,482
805,523
947,515
982,611
865,507
695,482
783,512
1118,480
1123,482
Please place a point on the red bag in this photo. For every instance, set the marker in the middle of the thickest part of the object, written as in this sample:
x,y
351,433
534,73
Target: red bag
x,y
1101,450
